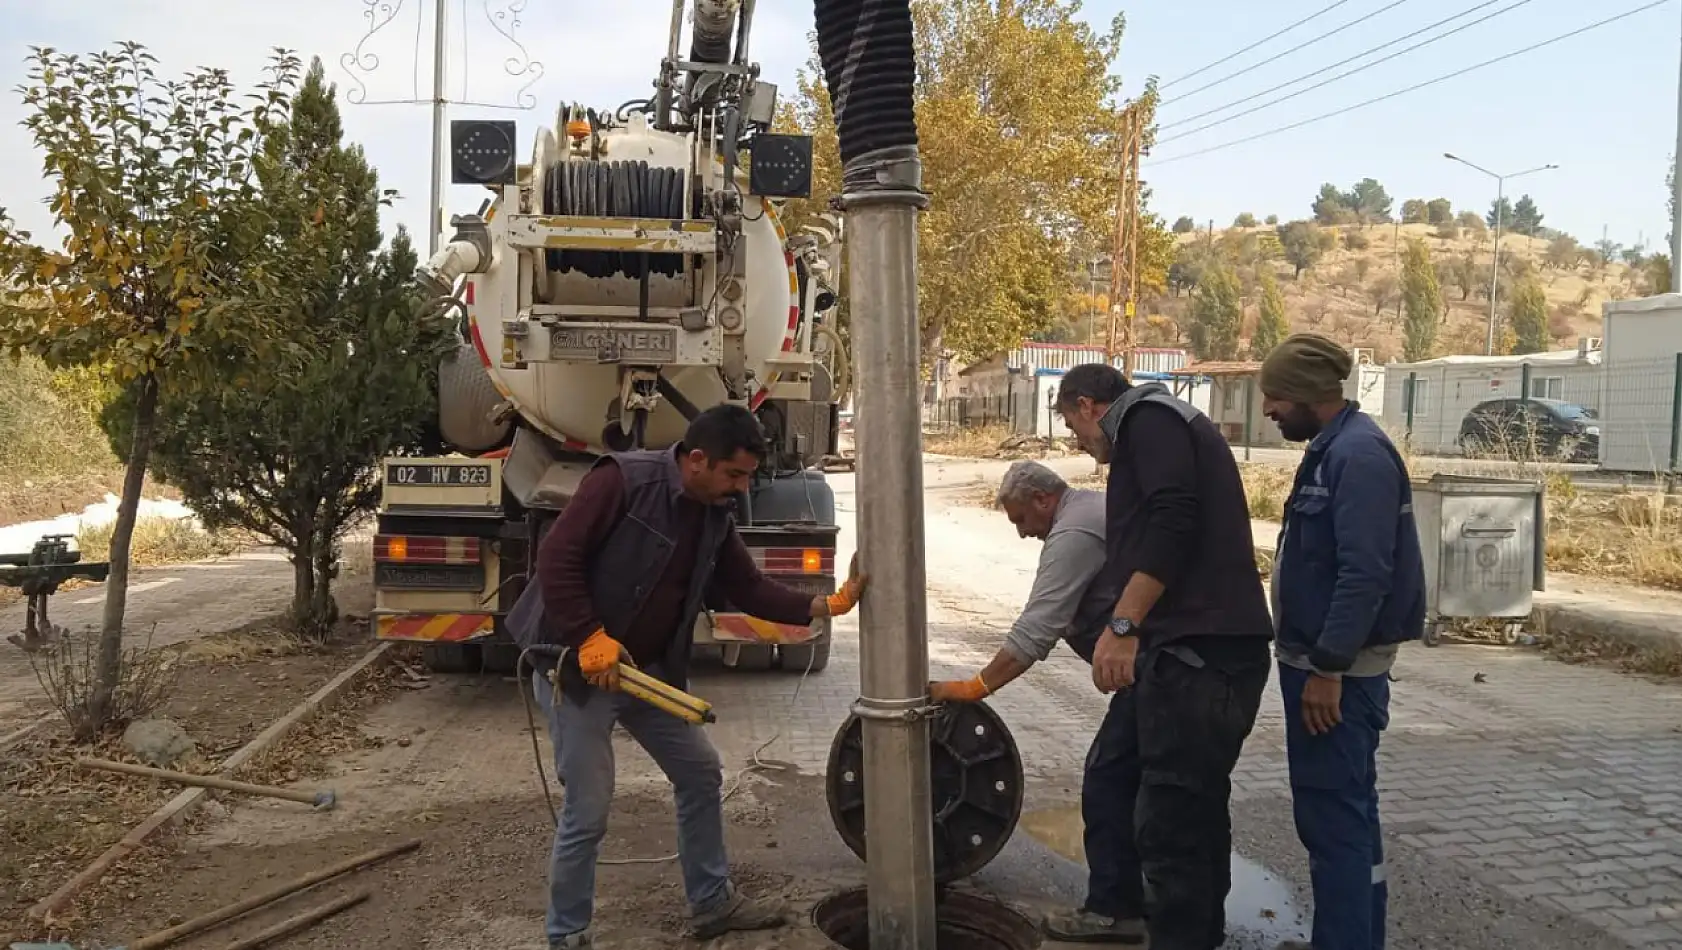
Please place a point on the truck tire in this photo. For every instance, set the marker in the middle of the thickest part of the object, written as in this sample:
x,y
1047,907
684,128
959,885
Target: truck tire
x,y
805,657
452,657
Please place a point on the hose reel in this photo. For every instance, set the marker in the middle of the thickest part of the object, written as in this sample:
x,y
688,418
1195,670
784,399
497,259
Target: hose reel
x,y
614,190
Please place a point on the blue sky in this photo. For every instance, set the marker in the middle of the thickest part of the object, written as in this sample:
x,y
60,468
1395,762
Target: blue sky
x,y
1602,106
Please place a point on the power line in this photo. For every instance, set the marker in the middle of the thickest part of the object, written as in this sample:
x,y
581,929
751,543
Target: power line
x,y
1279,56
1263,41
1326,69
1414,88
1343,75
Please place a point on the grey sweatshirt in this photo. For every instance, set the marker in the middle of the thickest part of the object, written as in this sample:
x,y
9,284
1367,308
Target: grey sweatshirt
x,y
1072,556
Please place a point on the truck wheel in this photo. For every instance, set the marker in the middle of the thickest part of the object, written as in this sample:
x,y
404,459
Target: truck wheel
x,y
452,657
500,658
754,658
805,657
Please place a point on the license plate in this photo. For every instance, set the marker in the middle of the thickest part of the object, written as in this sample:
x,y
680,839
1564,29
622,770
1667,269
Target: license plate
x,y
429,576
613,344
425,475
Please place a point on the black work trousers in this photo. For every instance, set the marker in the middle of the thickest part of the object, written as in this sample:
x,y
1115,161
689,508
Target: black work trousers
x,y
1157,788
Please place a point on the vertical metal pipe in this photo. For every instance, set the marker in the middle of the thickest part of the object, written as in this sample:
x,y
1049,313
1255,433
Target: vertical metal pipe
x,y
435,215
1407,403
1675,419
894,653
1495,266
1676,204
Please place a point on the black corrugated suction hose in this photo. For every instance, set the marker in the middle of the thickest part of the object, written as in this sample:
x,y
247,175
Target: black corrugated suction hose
x,y
870,68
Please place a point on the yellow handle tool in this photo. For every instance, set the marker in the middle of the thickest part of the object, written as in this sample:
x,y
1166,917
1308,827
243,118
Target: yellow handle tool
x,y
663,696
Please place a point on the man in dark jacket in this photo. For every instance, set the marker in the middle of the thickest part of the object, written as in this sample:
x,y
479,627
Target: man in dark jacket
x,y
1176,626
623,575
1348,589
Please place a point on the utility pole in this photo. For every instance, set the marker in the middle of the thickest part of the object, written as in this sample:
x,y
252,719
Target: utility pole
x,y
1495,267
435,213
1124,256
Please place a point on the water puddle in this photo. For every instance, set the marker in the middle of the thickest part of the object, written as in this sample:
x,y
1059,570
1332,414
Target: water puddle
x,y
1260,906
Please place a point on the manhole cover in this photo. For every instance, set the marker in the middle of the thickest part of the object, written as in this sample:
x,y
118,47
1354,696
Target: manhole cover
x,y
962,922
976,777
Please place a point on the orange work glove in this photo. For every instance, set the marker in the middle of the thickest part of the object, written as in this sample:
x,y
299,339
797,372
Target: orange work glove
x,y
599,659
971,690
844,600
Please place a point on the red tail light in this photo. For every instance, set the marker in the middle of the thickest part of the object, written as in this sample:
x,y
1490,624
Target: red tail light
x,y
415,549
795,560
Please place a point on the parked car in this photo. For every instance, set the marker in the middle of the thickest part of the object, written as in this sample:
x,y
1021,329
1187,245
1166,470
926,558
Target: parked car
x,y
1531,428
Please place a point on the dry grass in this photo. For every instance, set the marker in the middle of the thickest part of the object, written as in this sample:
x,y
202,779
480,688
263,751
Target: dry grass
x,y
157,541
50,431
1265,489
977,442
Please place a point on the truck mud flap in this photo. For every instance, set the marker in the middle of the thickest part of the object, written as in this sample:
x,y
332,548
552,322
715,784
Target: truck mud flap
x,y
435,628
741,628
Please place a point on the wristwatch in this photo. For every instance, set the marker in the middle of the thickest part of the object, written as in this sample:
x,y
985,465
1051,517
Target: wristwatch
x,y
1122,627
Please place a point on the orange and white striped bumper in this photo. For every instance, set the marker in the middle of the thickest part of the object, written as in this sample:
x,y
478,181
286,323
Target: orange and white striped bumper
x,y
741,628
435,628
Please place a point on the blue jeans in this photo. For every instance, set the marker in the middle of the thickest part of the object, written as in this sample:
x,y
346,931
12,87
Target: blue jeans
x,y
1334,792
582,734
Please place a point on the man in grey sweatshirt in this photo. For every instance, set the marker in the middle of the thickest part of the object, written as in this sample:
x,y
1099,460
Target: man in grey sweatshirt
x,y
1070,522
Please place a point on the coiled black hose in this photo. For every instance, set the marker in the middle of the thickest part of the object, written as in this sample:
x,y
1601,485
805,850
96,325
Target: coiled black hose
x,y
613,189
870,68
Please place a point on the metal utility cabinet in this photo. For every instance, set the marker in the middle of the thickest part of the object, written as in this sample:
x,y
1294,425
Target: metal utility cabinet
x,y
1484,544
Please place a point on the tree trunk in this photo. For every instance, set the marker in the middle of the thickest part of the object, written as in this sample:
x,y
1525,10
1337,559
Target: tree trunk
x,y
303,587
303,572
324,610
109,671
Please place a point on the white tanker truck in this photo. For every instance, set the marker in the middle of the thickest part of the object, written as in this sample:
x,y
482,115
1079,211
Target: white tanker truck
x,y
635,272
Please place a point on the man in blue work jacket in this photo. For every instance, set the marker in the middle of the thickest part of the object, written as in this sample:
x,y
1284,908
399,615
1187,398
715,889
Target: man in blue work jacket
x,y
1348,590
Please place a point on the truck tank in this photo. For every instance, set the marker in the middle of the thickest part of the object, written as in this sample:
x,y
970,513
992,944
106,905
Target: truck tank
x,y
574,403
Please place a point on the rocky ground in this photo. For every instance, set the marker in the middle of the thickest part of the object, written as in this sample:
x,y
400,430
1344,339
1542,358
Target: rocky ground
x,y
1532,805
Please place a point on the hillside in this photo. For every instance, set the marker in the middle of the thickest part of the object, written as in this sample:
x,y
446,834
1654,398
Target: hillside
x,y
1351,292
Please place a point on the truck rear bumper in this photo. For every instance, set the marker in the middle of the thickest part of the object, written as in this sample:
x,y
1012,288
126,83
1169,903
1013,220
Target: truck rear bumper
x,y
434,628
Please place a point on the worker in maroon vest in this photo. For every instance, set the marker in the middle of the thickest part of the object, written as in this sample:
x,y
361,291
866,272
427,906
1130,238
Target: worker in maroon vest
x,y
624,573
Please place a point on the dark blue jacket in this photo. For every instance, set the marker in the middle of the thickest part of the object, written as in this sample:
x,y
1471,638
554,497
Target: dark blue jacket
x,y
1349,571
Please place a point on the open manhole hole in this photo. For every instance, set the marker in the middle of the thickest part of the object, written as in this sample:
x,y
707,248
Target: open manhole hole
x,y
962,921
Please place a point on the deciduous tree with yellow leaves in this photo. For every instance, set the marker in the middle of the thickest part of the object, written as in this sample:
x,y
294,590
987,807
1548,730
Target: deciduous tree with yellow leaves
x,y
1019,122
163,243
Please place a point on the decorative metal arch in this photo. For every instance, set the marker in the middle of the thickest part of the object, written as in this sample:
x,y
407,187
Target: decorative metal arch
x,y
505,17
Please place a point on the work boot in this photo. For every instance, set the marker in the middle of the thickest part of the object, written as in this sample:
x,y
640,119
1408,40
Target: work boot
x,y
578,941
1084,926
737,912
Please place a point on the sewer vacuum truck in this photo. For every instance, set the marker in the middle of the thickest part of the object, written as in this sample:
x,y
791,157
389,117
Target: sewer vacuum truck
x,y
634,273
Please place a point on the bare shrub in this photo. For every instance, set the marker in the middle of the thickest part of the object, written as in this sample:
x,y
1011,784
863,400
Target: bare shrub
x,y
145,682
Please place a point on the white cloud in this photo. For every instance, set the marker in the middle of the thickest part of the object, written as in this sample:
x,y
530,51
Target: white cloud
x,y
597,52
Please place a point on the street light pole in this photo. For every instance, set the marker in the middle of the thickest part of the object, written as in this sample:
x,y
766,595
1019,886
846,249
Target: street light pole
x,y
1676,203
1495,264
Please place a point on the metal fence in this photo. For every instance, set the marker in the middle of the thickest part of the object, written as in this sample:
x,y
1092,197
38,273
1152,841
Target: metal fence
x,y
1635,405
976,412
